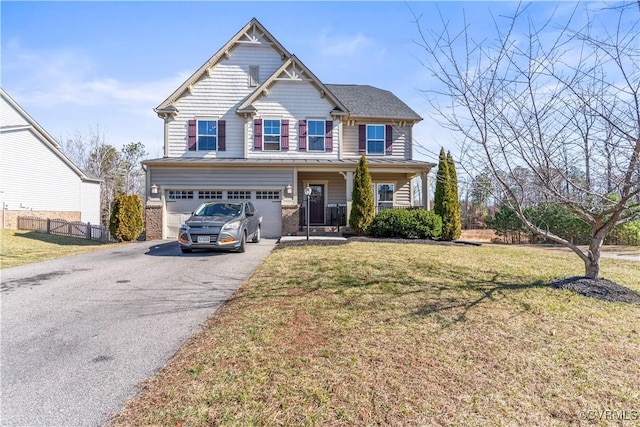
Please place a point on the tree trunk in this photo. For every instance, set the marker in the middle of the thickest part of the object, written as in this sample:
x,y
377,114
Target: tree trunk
x,y
592,263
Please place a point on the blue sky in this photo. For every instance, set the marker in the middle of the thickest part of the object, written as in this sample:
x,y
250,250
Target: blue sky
x,y
77,65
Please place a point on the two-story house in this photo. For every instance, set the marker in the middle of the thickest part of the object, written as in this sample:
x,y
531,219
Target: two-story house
x,y
253,122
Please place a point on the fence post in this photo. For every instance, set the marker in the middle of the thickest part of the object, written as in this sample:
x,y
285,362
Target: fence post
x,y
88,232
48,226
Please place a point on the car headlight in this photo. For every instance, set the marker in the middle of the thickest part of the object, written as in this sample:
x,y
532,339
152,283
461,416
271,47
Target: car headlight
x,y
232,225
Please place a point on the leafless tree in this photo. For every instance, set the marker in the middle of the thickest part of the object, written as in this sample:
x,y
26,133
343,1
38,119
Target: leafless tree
x,y
552,111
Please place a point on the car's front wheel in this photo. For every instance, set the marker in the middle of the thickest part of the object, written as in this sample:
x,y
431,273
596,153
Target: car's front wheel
x,y
256,236
243,242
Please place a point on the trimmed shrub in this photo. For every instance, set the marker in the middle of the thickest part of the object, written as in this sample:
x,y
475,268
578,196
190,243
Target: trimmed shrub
x,y
407,224
127,221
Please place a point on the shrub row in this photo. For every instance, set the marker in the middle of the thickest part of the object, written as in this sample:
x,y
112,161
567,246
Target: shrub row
x,y
407,224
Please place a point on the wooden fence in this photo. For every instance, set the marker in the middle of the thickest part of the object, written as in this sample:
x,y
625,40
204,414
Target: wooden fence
x,y
61,227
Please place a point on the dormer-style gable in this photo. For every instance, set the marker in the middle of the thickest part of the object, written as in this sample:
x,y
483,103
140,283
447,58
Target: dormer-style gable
x,y
253,33
292,70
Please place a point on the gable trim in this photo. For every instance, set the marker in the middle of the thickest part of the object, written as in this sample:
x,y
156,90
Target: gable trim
x,y
224,52
294,62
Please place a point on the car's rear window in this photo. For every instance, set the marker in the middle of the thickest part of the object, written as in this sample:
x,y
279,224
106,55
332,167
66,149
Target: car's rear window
x,y
219,209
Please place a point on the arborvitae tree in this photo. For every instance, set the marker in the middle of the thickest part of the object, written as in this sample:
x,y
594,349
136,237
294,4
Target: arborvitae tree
x,y
453,201
127,221
442,178
362,207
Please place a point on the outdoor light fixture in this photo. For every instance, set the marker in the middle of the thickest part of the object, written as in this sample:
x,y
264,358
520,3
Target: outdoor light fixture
x,y
307,192
289,189
154,189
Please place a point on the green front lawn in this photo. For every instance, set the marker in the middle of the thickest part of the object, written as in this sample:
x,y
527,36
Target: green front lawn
x,y
24,247
405,334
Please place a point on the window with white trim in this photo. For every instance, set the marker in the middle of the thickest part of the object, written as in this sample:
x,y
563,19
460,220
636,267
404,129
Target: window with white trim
x,y
315,135
238,194
268,195
180,195
209,195
375,139
207,136
271,135
384,196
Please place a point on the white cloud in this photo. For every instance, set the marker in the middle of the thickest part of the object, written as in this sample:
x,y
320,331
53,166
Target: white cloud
x,y
67,76
342,45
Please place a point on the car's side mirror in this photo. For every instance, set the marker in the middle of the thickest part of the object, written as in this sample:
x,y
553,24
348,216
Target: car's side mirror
x,y
249,213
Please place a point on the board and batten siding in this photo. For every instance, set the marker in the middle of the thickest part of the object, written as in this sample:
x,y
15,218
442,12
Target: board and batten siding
x,y
196,178
33,177
294,101
402,142
217,95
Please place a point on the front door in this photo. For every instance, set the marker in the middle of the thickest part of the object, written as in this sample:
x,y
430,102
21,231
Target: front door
x,y
316,208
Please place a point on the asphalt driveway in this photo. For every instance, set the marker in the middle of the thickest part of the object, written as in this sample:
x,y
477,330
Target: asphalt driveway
x,y
79,333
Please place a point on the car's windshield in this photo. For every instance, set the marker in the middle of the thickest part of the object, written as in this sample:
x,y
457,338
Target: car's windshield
x,y
219,209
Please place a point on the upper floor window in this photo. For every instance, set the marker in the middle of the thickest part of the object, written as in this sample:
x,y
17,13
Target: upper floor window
x,y
207,135
375,139
271,135
315,135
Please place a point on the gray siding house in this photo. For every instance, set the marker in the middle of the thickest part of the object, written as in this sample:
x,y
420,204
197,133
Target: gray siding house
x,y
253,122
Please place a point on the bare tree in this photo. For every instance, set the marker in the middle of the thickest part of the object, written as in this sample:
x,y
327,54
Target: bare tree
x,y
553,112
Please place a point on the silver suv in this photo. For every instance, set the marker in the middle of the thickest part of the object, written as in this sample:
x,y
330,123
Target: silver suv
x,y
223,224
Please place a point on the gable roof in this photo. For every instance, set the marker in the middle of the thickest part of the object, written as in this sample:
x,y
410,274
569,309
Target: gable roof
x,y
250,31
292,69
364,101
42,135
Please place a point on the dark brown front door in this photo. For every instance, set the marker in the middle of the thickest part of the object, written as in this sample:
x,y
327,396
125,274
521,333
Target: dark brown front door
x,y
316,209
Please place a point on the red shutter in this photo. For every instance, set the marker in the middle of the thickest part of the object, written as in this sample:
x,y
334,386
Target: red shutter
x,y
388,140
362,138
302,135
191,140
257,134
222,135
284,135
328,135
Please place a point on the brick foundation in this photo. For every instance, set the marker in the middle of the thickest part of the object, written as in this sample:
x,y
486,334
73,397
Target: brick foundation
x,y
153,222
290,220
10,218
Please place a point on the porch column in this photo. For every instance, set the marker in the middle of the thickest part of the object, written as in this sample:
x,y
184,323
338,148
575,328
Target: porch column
x,y
426,184
349,178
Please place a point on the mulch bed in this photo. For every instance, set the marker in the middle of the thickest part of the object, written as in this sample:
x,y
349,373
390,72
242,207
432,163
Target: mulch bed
x,y
602,289
314,242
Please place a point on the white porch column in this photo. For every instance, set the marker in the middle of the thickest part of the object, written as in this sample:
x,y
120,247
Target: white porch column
x,y
426,197
349,181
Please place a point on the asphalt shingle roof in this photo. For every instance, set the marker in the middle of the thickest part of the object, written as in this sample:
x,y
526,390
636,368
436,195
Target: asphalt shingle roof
x,y
369,101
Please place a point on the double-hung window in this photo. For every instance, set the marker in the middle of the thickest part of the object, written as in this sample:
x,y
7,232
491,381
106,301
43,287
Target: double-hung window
x,y
271,135
315,135
384,196
375,139
207,135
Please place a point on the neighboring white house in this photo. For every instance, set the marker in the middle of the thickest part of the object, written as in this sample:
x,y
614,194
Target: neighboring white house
x,y
253,122
36,178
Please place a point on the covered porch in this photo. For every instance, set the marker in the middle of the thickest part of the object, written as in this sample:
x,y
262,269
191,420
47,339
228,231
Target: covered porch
x,y
326,209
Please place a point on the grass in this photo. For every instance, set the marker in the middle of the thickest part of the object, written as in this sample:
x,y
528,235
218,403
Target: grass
x,y
393,334
24,247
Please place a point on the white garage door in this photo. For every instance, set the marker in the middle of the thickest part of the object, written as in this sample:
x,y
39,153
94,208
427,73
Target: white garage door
x,y
180,204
